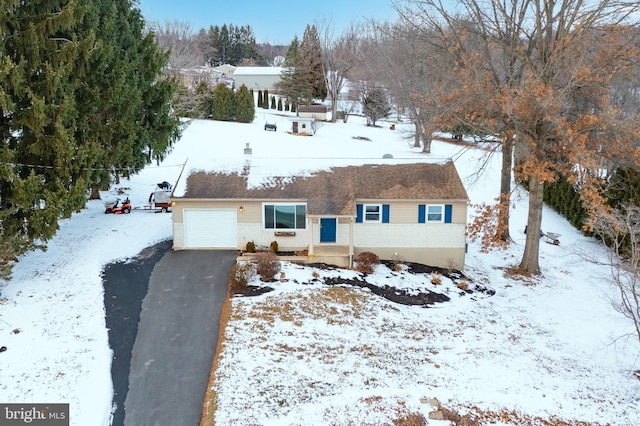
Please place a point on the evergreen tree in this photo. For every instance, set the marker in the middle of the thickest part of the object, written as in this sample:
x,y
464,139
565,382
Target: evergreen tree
x,y
80,99
204,97
375,106
273,102
279,104
245,111
259,98
224,108
265,100
230,44
294,81
312,57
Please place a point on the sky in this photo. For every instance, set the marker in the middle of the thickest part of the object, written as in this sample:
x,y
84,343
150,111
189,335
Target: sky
x,y
276,22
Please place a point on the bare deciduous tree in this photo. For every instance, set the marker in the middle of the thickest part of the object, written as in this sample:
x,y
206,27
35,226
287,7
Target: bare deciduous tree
x,y
411,71
178,38
621,229
339,57
529,60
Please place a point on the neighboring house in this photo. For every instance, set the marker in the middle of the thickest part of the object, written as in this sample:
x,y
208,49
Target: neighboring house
x,y
408,212
192,77
226,70
257,78
317,112
302,126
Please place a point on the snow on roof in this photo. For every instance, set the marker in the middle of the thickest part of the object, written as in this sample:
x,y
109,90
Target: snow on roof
x,y
258,71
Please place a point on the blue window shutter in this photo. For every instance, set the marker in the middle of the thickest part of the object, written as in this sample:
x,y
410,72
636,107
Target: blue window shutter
x,y
385,213
358,213
422,213
447,213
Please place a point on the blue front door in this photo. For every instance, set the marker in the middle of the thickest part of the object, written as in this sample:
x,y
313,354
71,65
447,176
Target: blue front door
x,y
328,230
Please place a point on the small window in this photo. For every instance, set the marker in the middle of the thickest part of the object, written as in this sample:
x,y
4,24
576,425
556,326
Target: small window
x,y
372,213
285,216
435,213
304,126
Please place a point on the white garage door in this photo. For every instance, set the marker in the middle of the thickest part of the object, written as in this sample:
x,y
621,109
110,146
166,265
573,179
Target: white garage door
x,y
210,228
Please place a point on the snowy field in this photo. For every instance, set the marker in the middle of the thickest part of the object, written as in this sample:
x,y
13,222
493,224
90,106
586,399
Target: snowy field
x,y
553,346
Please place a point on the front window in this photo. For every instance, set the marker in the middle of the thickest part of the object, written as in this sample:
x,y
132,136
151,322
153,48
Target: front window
x,y
435,213
372,213
285,216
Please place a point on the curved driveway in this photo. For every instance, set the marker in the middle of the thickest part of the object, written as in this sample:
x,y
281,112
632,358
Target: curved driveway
x,y
177,337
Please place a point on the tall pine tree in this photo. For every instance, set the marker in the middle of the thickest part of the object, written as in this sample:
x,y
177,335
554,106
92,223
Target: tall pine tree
x,y
80,101
312,57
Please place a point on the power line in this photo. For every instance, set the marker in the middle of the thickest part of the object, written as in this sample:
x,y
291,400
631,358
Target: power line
x,y
41,166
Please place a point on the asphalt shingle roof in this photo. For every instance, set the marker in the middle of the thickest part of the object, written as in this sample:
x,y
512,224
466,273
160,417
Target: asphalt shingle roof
x,y
335,192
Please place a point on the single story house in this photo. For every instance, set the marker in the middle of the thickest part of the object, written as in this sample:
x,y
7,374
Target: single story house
x,y
317,112
408,212
257,78
192,77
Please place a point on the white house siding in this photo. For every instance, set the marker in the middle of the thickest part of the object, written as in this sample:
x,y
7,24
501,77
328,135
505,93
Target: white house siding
x,y
263,237
432,244
428,235
178,236
407,212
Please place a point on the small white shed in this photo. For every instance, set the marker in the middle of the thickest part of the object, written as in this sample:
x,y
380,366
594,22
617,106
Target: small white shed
x,y
302,126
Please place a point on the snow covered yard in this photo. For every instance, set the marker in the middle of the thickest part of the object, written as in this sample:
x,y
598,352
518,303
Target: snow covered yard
x,y
309,353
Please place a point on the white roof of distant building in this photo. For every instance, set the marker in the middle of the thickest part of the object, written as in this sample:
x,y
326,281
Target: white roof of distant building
x,y
258,71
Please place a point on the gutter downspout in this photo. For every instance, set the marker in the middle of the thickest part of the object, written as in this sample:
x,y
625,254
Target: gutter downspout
x,y
351,221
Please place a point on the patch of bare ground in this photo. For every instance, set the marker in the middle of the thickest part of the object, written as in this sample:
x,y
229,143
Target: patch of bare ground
x,y
513,273
477,417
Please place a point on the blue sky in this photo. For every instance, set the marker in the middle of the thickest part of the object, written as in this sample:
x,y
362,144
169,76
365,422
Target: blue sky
x,y
274,21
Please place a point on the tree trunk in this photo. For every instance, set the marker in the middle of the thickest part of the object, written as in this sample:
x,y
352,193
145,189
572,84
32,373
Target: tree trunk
x,y
505,186
530,263
426,144
95,193
418,136
334,107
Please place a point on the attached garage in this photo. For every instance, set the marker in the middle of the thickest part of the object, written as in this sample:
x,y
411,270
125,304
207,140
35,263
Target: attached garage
x,y
210,228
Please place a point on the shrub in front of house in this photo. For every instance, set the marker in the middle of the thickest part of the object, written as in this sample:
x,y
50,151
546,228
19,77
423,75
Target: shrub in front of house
x,y
267,265
366,261
274,246
251,247
241,274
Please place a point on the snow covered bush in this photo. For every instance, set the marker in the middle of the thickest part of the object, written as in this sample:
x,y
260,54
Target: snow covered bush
x,y
241,274
267,265
366,261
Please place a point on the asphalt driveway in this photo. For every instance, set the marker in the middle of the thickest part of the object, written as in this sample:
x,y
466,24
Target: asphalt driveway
x,y
176,338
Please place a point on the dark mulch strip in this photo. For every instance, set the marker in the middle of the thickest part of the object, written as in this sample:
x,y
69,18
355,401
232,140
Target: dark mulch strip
x,y
419,268
251,290
392,293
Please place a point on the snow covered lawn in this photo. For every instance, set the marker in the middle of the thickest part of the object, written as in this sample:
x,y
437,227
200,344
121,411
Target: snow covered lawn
x,y
309,353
